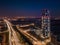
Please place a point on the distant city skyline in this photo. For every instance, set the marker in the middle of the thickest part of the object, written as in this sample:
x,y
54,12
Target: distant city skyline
x,y
29,8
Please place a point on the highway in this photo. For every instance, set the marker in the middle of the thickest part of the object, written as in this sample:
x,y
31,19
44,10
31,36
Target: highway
x,y
14,39
33,40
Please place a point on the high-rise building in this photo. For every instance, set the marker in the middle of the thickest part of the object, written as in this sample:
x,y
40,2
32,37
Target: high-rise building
x,y
45,32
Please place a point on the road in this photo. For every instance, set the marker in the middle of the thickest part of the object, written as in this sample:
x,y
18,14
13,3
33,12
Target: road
x,y
34,40
13,40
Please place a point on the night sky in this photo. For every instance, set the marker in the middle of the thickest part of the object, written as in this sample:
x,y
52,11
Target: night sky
x,y
28,7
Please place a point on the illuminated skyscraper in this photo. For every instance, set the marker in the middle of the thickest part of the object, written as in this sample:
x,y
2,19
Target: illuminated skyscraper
x,y
45,32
